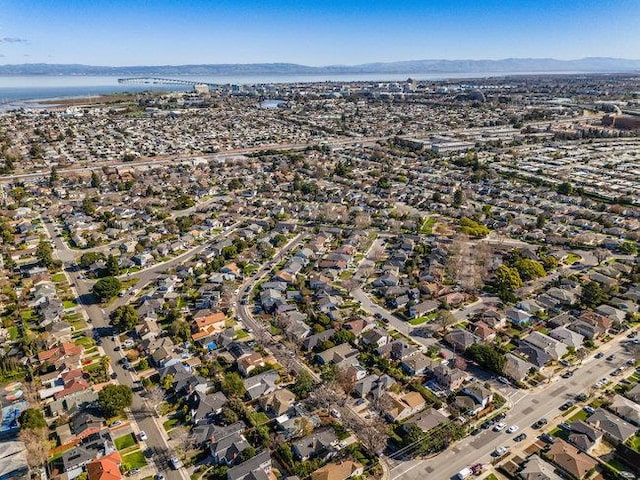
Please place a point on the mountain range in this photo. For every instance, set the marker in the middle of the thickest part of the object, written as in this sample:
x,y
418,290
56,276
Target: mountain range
x,y
509,65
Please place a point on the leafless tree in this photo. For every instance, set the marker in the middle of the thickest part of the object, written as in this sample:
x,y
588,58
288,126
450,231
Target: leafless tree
x,y
184,442
373,436
35,441
345,380
601,254
445,318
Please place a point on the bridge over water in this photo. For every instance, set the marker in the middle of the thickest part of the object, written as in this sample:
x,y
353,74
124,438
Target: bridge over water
x,y
163,81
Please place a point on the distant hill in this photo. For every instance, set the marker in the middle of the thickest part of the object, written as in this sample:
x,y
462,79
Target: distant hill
x,y
508,65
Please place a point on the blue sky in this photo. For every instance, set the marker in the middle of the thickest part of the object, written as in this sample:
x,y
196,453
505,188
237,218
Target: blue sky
x,y
312,32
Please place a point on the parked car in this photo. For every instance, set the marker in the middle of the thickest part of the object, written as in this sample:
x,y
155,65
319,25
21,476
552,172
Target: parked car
x,y
175,463
142,436
133,471
581,397
545,437
503,380
521,437
540,423
500,451
512,429
599,355
589,409
499,426
566,405
564,426
611,357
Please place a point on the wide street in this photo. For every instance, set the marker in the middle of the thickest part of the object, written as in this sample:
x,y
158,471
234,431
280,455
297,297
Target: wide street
x,y
540,402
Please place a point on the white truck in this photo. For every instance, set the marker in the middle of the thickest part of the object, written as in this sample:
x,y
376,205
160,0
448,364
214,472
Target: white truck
x,y
464,473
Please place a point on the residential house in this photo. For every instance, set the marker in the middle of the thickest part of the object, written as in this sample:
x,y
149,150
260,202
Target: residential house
x,y
105,468
428,419
318,444
626,409
568,337
374,385
257,467
516,368
534,355
278,402
518,317
337,354
338,471
423,308
554,348
376,338
262,384
418,364
584,436
450,378
538,469
206,405
399,407
460,339
226,450
615,429
570,460
248,363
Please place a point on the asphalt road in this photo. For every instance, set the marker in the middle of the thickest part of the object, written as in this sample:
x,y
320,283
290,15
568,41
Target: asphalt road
x,y
526,409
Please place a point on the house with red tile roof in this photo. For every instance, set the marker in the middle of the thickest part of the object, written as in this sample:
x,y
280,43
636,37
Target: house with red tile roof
x,y
105,468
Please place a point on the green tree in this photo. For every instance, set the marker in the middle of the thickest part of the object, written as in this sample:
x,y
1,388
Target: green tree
x,y
95,179
592,294
342,336
565,188
506,281
228,416
303,385
44,253
529,269
167,382
88,207
473,228
487,356
630,248
107,288
458,198
124,318
113,399
179,328
183,202
32,418
89,258
53,176
112,267
232,385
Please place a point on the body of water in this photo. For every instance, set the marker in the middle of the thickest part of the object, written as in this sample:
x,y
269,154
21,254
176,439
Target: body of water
x,y
16,90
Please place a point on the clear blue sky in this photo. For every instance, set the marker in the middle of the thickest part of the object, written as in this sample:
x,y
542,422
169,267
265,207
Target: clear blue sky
x,y
312,32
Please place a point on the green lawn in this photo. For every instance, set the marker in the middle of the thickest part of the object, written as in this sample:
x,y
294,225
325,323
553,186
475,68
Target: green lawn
x,y
259,418
76,322
241,333
572,258
134,460
85,342
13,332
634,443
427,226
425,319
58,277
581,415
170,424
125,441
70,304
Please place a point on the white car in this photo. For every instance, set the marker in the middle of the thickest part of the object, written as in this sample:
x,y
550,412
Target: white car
x,y
142,436
512,429
499,426
500,451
